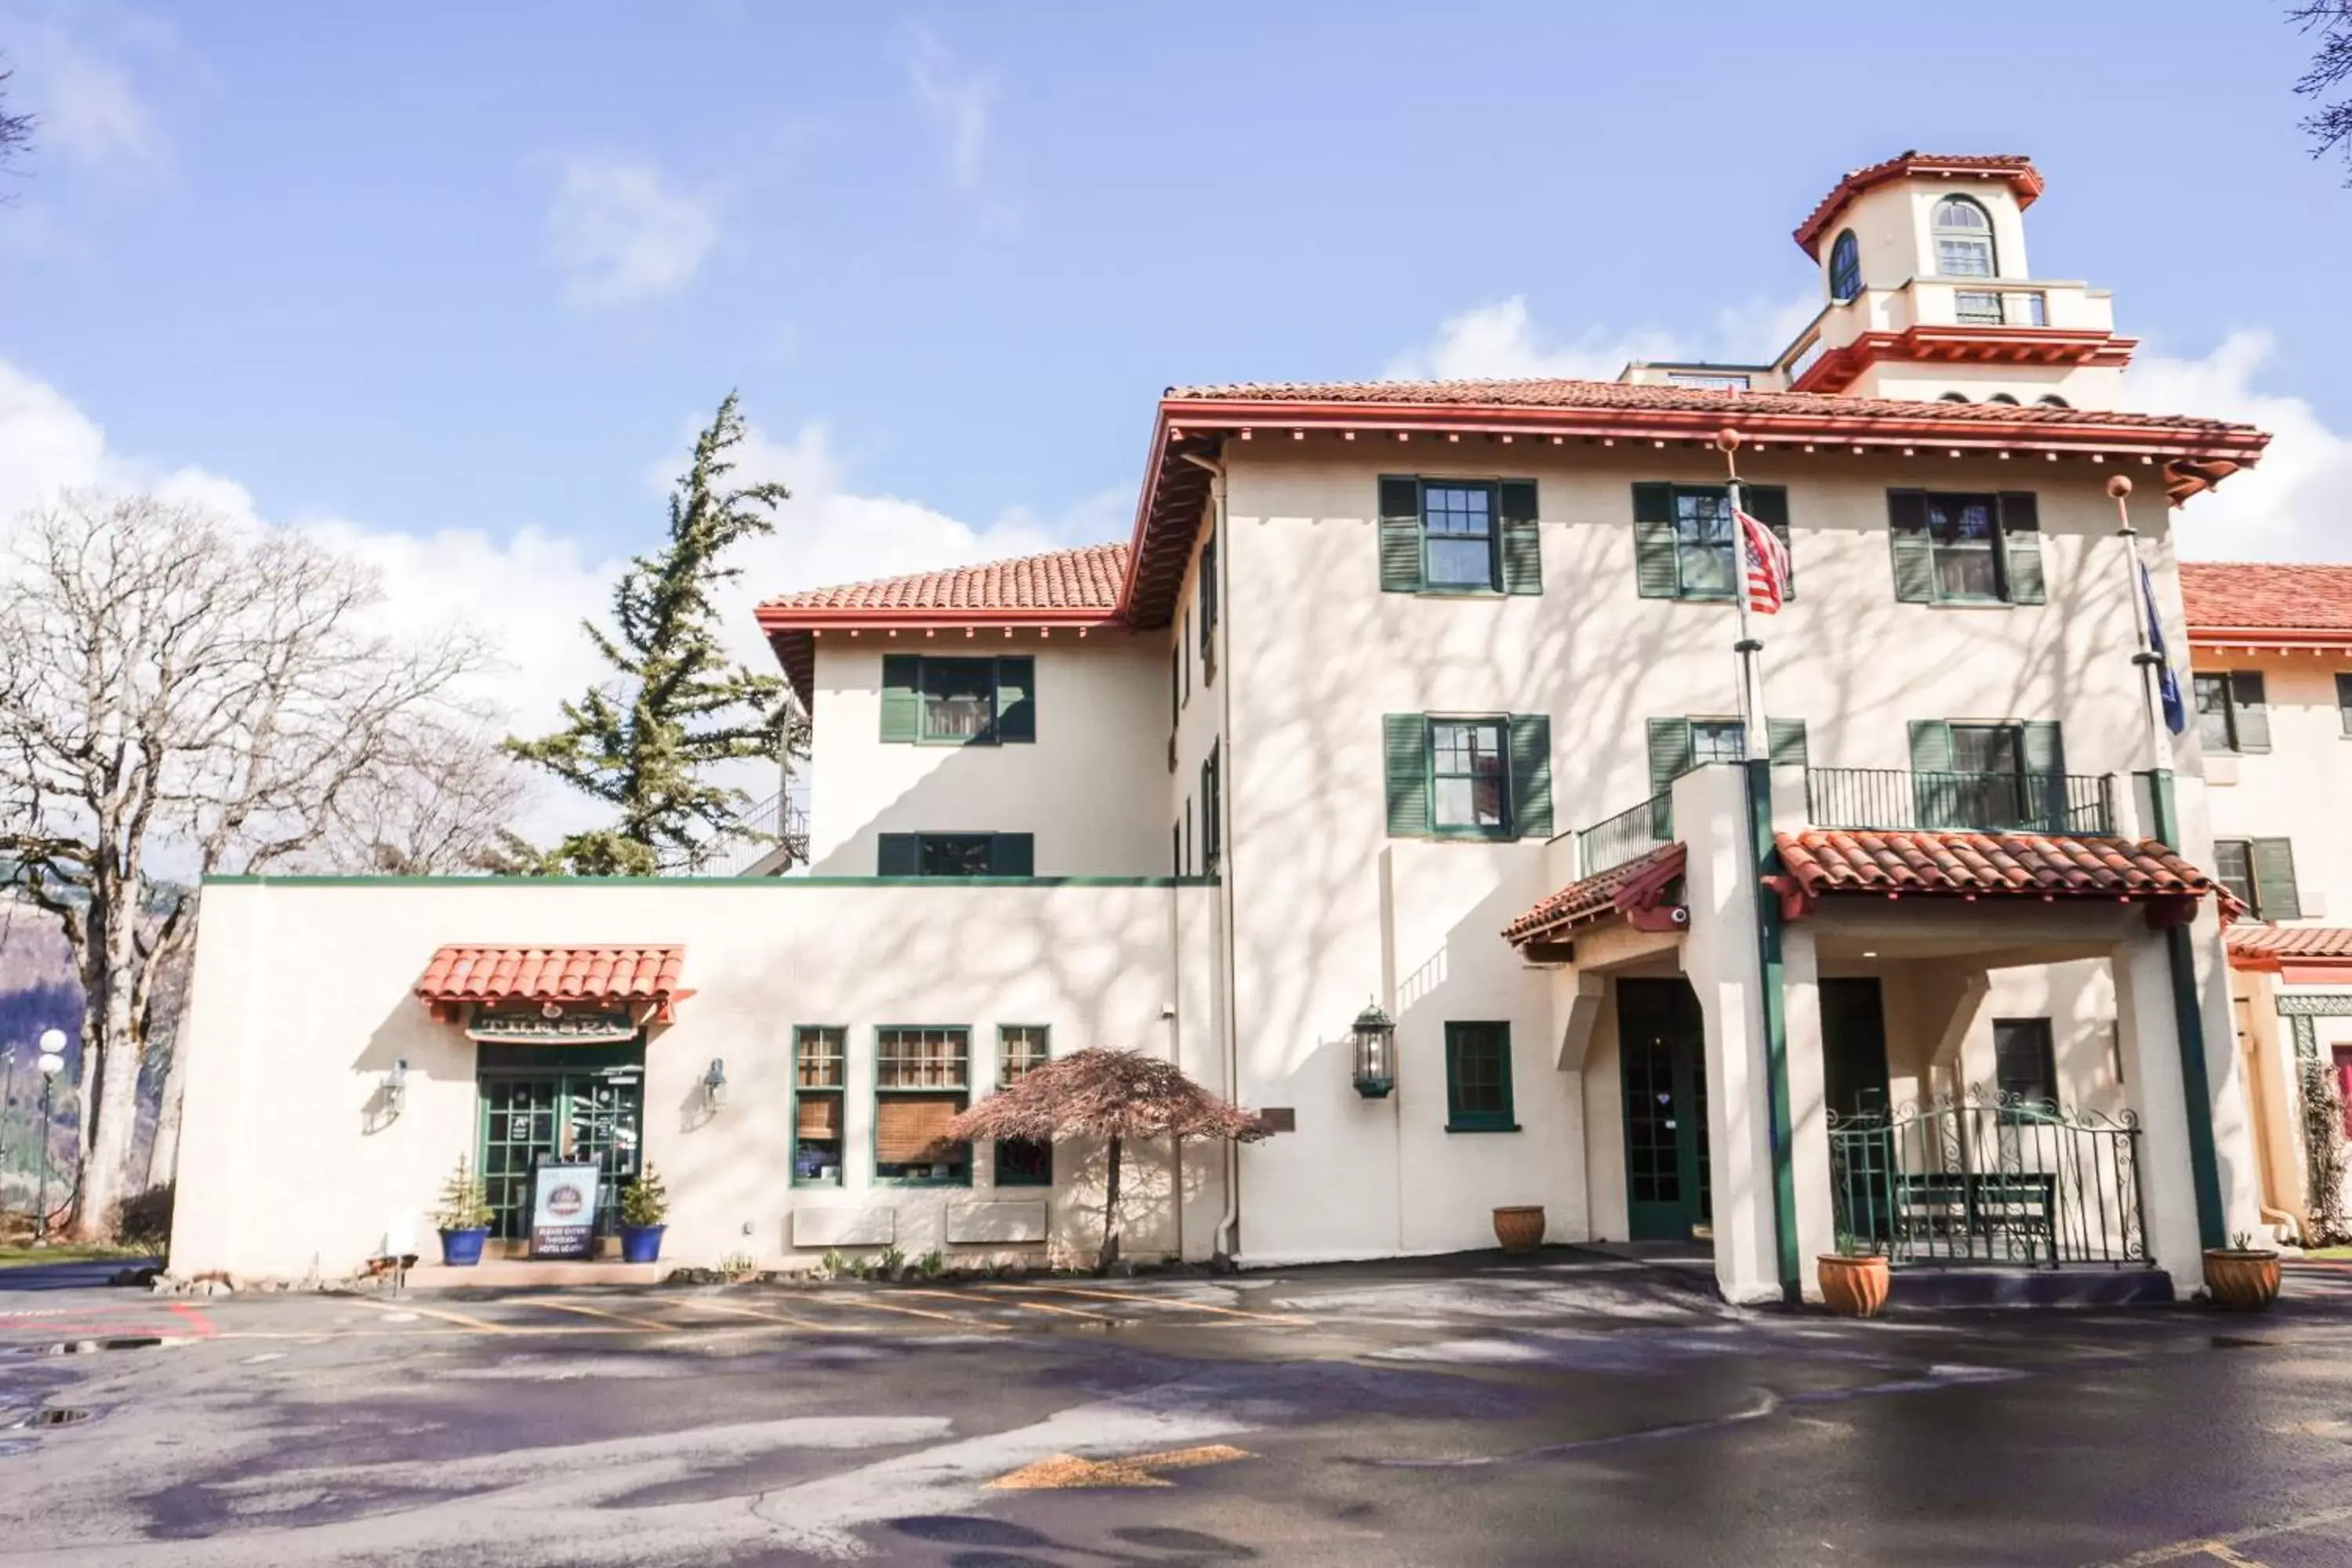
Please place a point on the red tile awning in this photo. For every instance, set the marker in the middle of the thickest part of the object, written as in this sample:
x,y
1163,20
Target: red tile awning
x,y
1635,892
2298,955
1837,862
646,978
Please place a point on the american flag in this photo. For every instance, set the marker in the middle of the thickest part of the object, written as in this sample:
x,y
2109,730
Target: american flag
x,y
1767,566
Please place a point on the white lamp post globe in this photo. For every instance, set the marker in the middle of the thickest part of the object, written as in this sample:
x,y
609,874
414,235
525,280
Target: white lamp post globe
x,y
53,1050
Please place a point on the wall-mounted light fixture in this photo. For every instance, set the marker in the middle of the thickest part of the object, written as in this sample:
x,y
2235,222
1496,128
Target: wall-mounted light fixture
x,y
1375,1038
395,1088
714,1084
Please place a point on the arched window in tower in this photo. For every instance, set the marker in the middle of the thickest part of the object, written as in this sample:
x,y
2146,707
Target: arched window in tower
x,y
1953,397
1845,267
2051,400
2003,397
1963,239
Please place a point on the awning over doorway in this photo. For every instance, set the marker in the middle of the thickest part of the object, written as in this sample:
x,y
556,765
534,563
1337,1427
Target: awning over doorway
x,y
644,979
1999,865
1641,891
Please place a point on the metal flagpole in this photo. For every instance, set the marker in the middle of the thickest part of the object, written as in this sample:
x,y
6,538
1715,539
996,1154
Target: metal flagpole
x,y
1757,776
2146,657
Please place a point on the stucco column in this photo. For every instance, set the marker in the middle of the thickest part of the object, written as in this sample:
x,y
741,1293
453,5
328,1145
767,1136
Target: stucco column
x,y
2148,1040
1720,960
1808,1103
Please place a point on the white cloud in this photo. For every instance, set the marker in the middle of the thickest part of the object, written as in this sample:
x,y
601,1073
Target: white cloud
x,y
2296,503
961,103
527,592
1502,340
620,231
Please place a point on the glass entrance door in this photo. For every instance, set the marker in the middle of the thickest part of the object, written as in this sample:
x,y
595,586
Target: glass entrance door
x,y
1661,1067
578,1110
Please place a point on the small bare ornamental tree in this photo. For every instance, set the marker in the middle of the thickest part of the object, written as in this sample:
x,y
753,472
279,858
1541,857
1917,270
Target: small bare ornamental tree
x,y
1119,1095
181,698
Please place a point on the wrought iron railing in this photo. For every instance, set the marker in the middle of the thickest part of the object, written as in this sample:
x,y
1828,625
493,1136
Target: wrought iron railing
x,y
1628,835
2061,803
777,823
1989,1178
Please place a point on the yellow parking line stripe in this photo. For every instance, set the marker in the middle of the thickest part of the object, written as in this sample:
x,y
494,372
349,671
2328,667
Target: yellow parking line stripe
x,y
1032,1305
1141,1300
871,1305
732,1309
478,1325
652,1323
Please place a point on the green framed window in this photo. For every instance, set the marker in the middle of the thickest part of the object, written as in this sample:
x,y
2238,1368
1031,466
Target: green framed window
x,y
2025,1063
1209,610
956,855
1459,536
1213,814
1683,541
922,1079
929,701
1989,777
2261,872
819,1084
2232,712
1955,548
1021,1050
1468,775
2343,701
1478,1078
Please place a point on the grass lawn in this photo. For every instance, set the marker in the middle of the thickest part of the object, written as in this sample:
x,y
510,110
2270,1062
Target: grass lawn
x,y
2329,1252
63,1252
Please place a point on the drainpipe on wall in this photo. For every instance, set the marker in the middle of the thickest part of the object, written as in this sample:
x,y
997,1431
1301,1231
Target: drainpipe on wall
x,y
1228,1225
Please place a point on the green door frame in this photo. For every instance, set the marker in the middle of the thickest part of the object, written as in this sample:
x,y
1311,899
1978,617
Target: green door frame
x,y
1662,1076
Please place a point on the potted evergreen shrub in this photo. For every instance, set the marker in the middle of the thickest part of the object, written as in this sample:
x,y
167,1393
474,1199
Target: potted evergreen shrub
x,y
2242,1276
1853,1278
464,1218
645,1206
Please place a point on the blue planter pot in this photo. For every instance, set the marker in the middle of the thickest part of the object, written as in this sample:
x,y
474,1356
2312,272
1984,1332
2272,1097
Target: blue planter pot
x,y
641,1243
463,1248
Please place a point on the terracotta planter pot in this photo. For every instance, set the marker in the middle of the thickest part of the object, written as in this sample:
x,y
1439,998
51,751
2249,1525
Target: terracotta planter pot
x,y
1520,1230
1854,1287
2244,1281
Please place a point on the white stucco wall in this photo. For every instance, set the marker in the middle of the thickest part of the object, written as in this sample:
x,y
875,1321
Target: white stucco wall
x,y
301,1002
1089,787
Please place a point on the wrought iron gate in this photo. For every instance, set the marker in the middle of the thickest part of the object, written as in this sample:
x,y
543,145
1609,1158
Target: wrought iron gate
x,y
1989,1178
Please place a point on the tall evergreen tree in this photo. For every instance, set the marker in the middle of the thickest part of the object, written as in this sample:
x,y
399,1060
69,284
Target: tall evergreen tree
x,y
677,705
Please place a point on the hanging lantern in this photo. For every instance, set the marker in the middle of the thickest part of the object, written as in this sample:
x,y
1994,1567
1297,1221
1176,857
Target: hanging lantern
x,y
1375,1038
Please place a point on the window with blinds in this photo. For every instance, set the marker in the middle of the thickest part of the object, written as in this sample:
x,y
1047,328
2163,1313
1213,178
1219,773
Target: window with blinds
x,y
922,1080
1021,1050
820,1080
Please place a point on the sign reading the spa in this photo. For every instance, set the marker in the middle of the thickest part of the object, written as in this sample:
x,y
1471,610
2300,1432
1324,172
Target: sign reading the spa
x,y
560,1027
563,1209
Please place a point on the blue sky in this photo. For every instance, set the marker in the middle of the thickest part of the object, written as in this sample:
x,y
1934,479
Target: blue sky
x,y
455,282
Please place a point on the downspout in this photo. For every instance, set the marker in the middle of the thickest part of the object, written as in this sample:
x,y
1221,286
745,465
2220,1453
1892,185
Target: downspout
x,y
1228,1224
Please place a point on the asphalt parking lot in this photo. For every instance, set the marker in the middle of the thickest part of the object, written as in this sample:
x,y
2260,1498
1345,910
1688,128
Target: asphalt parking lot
x,y
1578,1409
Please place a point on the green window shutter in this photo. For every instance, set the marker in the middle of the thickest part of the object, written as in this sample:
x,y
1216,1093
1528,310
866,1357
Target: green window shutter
x,y
1915,556
1012,855
2274,891
1016,698
1769,504
1407,736
1399,535
899,855
2253,713
1656,575
902,697
1931,746
1522,539
2021,547
1531,775
1787,740
2043,752
1672,753
2343,701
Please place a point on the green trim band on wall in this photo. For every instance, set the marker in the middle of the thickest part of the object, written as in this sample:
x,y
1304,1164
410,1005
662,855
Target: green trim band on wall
x,y
2188,1026
1757,776
942,883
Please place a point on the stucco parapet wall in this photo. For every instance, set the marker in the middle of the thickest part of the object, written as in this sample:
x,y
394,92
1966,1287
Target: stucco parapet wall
x,y
513,884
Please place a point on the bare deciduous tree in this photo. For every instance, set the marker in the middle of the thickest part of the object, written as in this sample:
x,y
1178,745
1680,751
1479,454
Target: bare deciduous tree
x,y
2331,66
15,130
180,695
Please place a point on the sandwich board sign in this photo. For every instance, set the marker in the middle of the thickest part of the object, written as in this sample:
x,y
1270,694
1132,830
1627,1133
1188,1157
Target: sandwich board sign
x,y
564,1209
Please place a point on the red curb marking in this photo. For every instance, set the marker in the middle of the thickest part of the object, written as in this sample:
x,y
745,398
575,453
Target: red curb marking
x,y
194,1318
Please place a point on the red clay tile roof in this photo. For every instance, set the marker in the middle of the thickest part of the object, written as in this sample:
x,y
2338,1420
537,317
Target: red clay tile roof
x,y
1086,578
1550,393
2017,169
2291,941
1598,898
464,974
2235,596
1996,865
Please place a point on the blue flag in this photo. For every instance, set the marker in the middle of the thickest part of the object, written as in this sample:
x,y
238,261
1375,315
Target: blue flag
x,y
2175,713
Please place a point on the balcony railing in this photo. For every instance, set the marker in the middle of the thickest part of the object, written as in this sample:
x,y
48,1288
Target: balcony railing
x,y
1628,835
781,823
1899,799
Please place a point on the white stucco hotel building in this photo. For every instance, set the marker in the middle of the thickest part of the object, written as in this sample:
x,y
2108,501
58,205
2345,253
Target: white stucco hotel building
x,y
1422,697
